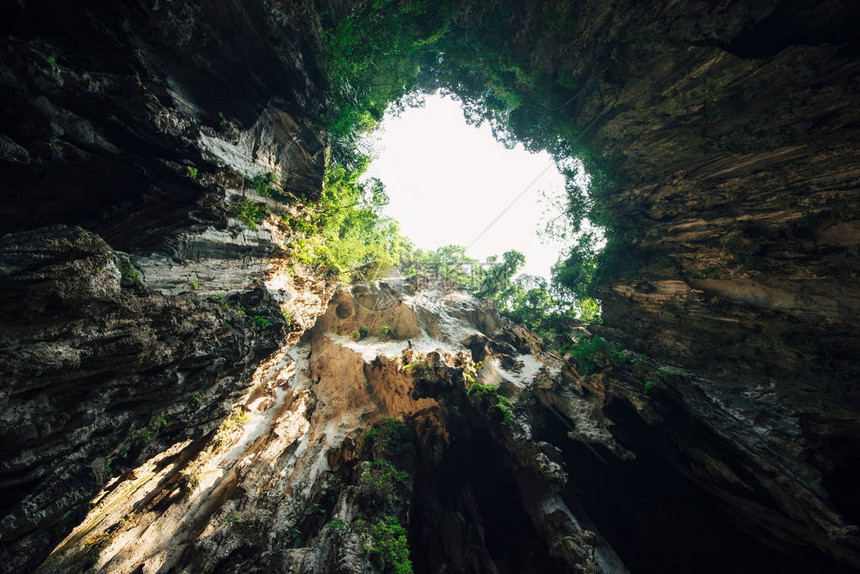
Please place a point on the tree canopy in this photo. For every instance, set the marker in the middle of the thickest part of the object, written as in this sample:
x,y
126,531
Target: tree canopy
x,y
385,54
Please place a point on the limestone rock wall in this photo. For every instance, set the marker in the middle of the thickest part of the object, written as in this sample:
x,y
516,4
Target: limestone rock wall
x,y
137,300
146,327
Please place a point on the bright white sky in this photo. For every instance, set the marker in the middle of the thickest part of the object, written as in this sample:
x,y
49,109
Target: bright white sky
x,y
448,181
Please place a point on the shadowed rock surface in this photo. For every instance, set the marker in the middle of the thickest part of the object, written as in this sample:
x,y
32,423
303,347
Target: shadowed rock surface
x,y
170,402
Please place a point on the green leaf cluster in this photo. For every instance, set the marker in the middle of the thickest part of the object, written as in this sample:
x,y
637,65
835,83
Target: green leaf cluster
x,y
371,58
344,232
390,540
500,408
390,53
528,299
265,184
591,353
252,213
260,322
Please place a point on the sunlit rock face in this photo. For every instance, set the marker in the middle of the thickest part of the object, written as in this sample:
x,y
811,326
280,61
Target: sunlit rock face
x,y
354,425
101,371
149,423
286,481
136,301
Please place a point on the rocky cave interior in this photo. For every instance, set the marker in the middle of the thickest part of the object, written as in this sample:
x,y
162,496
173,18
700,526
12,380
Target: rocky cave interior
x,y
147,426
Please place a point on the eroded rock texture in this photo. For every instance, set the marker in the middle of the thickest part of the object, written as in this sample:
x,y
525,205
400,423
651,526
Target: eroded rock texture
x,y
730,133
158,413
136,301
313,459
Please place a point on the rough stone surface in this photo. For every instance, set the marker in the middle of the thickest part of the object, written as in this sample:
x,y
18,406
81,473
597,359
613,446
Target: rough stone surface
x,y
288,478
729,135
139,123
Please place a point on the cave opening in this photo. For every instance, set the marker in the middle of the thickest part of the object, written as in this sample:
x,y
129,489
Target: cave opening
x,y
451,183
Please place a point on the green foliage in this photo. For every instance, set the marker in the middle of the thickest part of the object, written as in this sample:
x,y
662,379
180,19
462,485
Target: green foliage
x,y
665,374
575,273
524,298
143,437
331,488
390,53
191,172
260,322
236,307
264,184
385,331
588,354
252,213
360,333
390,438
131,273
194,404
382,471
504,409
339,526
382,485
237,419
500,408
482,390
448,262
55,68
233,518
223,123
493,282
343,231
288,317
389,539
649,385
194,284
371,58
108,471
412,366
295,534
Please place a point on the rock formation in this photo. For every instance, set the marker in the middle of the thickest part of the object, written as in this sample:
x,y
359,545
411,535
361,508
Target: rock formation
x,y
170,402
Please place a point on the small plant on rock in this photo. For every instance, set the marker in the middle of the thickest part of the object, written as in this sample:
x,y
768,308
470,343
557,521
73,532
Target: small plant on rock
x,y
588,354
131,273
665,374
264,183
338,526
55,68
252,213
360,333
389,539
295,535
260,322
500,408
